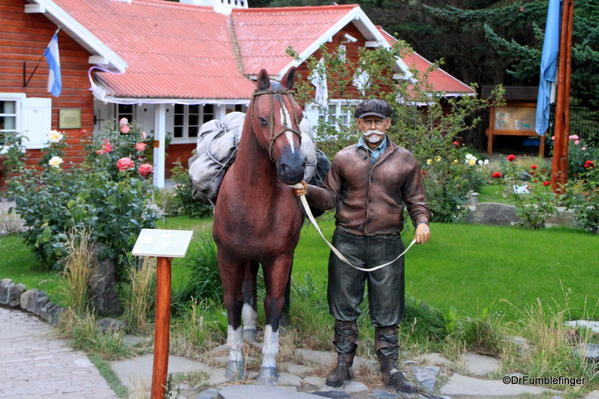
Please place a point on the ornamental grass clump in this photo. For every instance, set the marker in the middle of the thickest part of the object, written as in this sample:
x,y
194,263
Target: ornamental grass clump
x,y
77,270
139,296
555,347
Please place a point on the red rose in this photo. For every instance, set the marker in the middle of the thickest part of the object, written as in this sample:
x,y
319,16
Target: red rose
x,y
124,164
511,157
533,166
145,169
496,175
589,164
546,183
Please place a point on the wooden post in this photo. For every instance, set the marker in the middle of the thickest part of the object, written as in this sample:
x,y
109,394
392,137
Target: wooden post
x,y
161,331
559,165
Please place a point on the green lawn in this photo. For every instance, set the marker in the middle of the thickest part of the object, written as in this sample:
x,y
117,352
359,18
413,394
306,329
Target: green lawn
x,y
19,263
492,193
468,268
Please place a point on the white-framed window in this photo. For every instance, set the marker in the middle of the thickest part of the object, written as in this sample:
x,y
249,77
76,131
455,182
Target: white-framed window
x,y
124,111
340,113
30,116
188,119
8,118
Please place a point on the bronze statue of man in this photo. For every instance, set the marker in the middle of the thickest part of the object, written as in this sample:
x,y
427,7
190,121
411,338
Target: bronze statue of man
x,y
369,183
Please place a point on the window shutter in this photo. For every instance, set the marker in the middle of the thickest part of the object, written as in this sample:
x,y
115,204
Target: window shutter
x,y
37,121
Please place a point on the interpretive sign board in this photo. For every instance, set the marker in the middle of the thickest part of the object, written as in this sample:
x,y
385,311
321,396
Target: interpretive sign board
x,y
162,243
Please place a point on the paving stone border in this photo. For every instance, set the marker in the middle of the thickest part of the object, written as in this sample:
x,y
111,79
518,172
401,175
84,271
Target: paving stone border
x,y
34,301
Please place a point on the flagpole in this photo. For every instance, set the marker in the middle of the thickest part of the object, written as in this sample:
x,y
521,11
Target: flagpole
x,y
26,81
559,165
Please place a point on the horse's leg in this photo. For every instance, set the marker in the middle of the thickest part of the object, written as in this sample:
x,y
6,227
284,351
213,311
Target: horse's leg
x,y
276,274
231,274
285,315
250,310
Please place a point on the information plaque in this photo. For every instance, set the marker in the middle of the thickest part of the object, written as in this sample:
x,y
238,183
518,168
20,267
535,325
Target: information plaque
x,y
162,243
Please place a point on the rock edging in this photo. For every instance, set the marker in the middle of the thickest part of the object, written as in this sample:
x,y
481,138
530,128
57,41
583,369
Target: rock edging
x,y
34,301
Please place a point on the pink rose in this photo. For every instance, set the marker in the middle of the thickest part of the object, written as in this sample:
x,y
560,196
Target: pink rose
x,y
125,129
124,121
573,137
124,164
140,147
106,147
584,148
145,169
576,142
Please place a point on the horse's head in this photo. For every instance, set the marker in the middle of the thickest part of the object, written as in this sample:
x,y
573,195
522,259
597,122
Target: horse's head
x,y
275,117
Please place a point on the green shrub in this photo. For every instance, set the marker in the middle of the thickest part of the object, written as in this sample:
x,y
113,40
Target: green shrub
x,y
112,203
182,203
582,195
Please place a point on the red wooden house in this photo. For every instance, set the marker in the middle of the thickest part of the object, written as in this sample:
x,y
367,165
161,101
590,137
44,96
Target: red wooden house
x,y
167,66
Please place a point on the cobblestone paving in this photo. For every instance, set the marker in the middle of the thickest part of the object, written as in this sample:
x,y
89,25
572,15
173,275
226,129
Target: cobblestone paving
x,y
35,364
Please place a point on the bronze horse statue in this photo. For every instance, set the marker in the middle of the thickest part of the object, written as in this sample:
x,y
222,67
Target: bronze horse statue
x,y
257,218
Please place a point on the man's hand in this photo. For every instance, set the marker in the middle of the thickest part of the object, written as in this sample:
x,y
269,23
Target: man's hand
x,y
303,190
422,234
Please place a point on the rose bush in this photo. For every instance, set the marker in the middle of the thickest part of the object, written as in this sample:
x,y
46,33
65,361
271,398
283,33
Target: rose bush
x,y
582,196
95,196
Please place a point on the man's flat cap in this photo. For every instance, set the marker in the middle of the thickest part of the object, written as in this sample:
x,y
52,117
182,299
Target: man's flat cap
x,y
373,107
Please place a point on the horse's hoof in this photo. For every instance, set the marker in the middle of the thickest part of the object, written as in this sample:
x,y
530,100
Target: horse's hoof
x,y
268,376
235,370
249,335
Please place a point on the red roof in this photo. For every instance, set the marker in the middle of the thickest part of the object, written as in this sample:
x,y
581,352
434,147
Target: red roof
x,y
173,50
263,34
438,78
176,50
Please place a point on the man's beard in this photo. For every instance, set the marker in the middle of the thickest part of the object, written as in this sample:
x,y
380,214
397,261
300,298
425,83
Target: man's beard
x,y
374,136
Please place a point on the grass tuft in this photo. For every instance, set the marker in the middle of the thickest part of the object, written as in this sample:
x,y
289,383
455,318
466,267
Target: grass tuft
x,y
77,270
139,296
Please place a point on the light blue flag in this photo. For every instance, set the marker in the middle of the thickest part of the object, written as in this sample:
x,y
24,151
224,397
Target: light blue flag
x,y
54,77
548,65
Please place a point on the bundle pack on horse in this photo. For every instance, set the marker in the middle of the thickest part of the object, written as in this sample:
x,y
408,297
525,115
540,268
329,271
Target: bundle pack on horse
x,y
257,217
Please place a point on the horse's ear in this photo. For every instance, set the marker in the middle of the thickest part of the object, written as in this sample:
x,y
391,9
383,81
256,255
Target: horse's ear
x,y
263,80
287,80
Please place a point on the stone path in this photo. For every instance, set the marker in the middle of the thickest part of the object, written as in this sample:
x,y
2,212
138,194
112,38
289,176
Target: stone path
x,y
35,364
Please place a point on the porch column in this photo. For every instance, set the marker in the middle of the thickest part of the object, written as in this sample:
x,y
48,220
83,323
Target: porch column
x,y
159,144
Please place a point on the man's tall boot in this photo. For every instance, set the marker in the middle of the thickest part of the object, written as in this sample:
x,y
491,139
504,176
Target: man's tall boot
x,y
387,351
346,336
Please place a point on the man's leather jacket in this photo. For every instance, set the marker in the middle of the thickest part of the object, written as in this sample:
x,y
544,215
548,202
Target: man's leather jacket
x,y
370,198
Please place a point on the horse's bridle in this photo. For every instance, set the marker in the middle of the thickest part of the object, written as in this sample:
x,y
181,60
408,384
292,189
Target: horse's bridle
x,y
271,123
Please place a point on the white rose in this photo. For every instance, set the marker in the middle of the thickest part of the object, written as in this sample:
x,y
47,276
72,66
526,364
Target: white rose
x,y
55,136
55,161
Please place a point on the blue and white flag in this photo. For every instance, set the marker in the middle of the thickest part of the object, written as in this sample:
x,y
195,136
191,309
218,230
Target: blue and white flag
x,y
548,65
54,77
